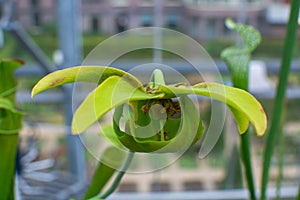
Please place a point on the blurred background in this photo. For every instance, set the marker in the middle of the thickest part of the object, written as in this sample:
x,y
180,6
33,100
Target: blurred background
x,y
55,34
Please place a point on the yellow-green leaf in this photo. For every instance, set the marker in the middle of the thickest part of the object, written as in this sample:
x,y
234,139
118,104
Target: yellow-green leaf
x,y
7,105
183,132
94,74
107,132
114,91
243,105
249,34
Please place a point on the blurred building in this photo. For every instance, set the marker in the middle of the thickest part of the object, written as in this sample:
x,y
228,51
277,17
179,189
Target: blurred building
x,y
203,19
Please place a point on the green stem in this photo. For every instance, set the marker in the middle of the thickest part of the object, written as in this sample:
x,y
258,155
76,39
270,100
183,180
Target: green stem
x,y
118,178
10,123
245,146
280,95
246,158
298,196
280,156
280,164
104,171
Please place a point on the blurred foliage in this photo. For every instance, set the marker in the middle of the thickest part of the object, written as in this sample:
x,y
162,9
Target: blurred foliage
x,y
26,83
46,38
12,49
268,48
188,161
52,113
292,108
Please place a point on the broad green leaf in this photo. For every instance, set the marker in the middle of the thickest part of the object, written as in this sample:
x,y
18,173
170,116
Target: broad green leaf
x,y
7,105
109,135
245,106
191,127
114,91
241,119
93,74
149,130
141,118
183,132
110,161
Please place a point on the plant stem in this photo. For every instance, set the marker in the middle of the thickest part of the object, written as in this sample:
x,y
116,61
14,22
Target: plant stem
x,y
298,196
105,171
245,152
10,123
118,178
280,95
280,163
246,158
245,146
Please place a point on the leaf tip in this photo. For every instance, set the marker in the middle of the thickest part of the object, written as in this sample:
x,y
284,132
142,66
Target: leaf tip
x,y
36,89
33,93
242,130
230,23
261,131
76,128
75,131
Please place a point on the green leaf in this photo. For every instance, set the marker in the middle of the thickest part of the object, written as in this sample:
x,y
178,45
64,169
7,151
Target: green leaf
x,y
8,105
114,91
183,132
141,118
111,160
241,119
243,105
157,78
237,58
109,135
8,83
10,121
93,74
249,34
